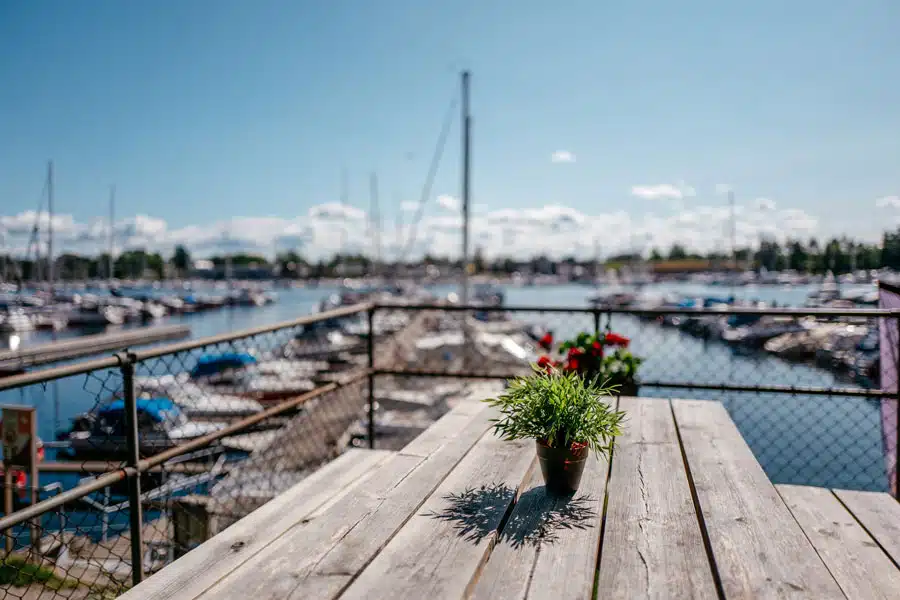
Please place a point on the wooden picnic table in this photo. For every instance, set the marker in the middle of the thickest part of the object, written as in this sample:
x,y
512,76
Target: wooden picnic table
x,y
682,510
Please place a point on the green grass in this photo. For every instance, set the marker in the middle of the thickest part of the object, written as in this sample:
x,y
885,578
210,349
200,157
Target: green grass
x,y
17,571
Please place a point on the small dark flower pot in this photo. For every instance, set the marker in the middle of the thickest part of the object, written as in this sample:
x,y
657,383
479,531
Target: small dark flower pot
x,y
561,467
629,388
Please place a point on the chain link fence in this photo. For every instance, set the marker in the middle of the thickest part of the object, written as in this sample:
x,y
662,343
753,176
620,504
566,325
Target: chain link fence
x,y
149,454
145,455
805,388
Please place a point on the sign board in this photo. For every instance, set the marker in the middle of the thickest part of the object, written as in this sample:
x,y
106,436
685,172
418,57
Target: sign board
x,y
19,436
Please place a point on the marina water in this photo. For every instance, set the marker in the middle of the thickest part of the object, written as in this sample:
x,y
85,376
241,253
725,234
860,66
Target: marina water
x,y
828,441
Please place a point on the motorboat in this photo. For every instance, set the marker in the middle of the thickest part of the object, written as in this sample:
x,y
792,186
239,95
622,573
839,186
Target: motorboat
x,y
161,426
96,315
16,320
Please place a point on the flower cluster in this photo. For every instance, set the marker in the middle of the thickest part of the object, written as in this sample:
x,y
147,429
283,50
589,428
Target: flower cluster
x,y
590,355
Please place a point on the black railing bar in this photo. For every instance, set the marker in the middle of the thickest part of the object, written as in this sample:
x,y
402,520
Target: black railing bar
x,y
45,375
76,493
426,373
345,311
773,312
812,391
769,389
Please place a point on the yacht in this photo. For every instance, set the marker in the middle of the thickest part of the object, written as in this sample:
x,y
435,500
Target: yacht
x,y
16,320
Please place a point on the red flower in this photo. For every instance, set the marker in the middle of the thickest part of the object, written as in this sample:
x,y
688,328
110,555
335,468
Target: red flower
x,y
546,342
617,340
578,446
544,362
596,345
574,351
573,364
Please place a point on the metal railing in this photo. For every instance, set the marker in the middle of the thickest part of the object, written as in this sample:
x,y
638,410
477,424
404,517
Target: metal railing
x,y
807,421
816,415
120,378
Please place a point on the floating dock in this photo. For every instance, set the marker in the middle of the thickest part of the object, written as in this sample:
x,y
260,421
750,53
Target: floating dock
x,y
13,362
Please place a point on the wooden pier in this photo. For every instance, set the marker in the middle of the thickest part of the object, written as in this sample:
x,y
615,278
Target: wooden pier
x,y
13,362
682,510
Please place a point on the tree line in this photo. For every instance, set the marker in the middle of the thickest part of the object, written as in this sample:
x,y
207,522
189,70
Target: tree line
x,y
838,255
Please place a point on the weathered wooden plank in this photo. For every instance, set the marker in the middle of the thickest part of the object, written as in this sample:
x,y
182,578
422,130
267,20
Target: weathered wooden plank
x,y
759,549
547,536
879,513
438,552
860,567
193,573
444,429
509,567
652,543
566,564
348,535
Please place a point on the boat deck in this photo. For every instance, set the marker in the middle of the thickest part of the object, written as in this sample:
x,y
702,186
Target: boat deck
x,y
682,510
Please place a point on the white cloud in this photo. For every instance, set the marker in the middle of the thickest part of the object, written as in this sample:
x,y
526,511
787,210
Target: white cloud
x,y
24,222
448,202
662,191
555,229
562,156
687,191
888,202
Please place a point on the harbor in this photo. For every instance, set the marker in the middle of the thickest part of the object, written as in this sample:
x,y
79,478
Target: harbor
x,y
227,422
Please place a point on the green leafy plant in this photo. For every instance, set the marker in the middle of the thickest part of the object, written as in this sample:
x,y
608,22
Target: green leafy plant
x,y
558,408
620,368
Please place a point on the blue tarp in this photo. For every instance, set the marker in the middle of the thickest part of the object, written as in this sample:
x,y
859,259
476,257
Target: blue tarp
x,y
210,364
158,408
707,302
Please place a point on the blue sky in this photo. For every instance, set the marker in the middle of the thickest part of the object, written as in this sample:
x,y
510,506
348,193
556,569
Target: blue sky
x,y
227,122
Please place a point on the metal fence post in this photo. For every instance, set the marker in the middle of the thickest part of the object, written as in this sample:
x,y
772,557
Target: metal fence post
x,y
596,321
133,461
896,419
371,350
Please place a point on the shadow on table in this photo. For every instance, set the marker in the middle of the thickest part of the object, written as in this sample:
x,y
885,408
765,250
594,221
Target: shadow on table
x,y
537,518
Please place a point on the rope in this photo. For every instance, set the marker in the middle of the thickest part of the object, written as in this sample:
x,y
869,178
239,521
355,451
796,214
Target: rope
x,y
429,179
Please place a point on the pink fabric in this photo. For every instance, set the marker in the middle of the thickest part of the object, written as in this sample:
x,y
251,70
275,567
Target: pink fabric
x,y
889,346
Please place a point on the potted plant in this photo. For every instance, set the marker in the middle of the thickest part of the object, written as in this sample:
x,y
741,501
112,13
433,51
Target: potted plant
x,y
620,371
566,414
587,354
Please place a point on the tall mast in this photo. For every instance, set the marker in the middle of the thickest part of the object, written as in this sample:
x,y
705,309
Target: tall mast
x,y
50,273
228,273
466,124
343,242
376,221
110,272
733,241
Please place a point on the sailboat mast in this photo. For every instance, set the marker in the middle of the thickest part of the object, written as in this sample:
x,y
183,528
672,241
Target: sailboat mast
x,y
343,243
50,273
376,222
110,273
733,242
466,124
